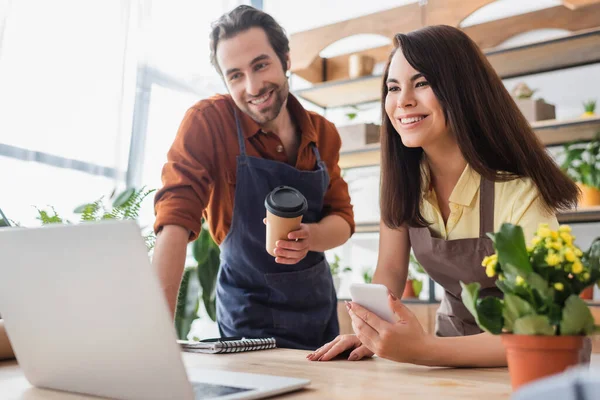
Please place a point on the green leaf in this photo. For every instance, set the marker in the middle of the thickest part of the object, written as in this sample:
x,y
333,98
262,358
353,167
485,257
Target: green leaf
x,y
186,310
80,209
208,271
511,248
577,318
533,325
123,197
417,287
201,246
541,285
469,295
489,311
515,308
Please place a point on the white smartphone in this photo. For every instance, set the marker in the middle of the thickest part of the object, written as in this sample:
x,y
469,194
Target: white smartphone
x,y
373,297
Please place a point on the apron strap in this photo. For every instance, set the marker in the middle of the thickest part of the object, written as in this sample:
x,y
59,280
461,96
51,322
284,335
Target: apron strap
x,y
486,207
316,151
240,134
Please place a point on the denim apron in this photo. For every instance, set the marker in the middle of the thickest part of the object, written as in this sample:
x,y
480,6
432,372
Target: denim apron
x,y
257,297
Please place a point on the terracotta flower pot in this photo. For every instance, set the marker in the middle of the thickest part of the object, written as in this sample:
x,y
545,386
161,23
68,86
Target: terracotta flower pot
x,y
587,293
533,357
589,196
409,291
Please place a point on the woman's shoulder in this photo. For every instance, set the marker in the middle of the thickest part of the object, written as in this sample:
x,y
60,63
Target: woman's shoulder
x,y
519,201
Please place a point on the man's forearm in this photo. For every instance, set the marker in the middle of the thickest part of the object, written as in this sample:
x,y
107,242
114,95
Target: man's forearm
x,y
6,350
483,350
332,231
169,261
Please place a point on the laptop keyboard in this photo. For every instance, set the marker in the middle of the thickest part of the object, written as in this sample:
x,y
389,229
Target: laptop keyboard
x,y
210,391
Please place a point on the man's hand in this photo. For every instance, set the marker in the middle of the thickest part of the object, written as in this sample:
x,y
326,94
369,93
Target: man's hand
x,y
293,250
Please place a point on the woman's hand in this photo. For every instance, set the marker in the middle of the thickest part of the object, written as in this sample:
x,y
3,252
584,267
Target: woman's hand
x,y
402,341
339,345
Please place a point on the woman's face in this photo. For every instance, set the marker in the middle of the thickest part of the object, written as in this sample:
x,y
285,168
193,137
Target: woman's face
x,y
412,107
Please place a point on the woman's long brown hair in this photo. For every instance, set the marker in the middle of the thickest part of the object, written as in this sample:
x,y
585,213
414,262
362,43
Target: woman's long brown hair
x,y
492,134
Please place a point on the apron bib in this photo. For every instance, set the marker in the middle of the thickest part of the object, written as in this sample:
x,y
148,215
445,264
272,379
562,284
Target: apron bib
x,y
257,297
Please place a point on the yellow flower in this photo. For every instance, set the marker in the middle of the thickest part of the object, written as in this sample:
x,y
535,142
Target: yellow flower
x,y
554,235
536,240
490,270
559,286
570,255
578,252
568,239
485,261
577,267
556,246
564,228
520,281
552,259
586,276
529,249
544,231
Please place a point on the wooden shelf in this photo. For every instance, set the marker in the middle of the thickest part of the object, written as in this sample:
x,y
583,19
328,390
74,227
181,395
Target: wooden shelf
x,y
551,133
578,49
570,51
556,132
587,214
344,92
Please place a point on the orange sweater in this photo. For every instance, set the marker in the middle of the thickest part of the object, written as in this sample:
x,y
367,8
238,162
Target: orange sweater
x,y
200,174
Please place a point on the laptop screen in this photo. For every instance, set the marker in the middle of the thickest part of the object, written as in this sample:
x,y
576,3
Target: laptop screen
x,y
3,220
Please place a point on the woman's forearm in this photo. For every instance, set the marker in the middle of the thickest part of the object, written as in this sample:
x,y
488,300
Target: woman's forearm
x,y
393,279
483,350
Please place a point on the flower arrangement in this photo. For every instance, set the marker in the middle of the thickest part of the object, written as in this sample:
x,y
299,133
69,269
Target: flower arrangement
x,y
541,284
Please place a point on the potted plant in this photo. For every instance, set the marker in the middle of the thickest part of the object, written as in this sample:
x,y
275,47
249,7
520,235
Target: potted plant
x,y
582,164
334,267
367,274
533,110
542,319
590,108
414,282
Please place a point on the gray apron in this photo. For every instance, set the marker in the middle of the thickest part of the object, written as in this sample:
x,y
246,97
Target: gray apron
x,y
450,261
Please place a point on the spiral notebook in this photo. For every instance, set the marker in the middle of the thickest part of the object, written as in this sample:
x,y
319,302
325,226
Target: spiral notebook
x,y
227,345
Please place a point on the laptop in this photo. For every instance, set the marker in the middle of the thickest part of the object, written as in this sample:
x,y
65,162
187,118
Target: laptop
x,y
85,313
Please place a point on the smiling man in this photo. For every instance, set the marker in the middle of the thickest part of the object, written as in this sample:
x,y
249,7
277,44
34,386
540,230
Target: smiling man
x,y
229,153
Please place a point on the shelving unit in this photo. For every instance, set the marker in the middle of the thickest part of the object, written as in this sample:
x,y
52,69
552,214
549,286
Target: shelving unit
x,y
575,50
551,133
581,215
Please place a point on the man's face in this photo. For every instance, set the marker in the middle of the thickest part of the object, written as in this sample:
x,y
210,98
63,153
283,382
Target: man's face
x,y
253,74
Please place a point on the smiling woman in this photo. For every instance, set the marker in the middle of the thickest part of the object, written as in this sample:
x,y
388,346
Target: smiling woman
x,y
458,160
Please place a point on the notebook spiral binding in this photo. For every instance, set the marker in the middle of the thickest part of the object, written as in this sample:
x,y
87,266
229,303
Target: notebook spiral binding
x,y
238,346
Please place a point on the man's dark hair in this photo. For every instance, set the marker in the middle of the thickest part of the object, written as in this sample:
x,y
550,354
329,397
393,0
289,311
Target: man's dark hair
x,y
241,19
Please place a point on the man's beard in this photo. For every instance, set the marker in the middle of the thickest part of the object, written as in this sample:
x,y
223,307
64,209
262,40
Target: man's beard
x,y
280,94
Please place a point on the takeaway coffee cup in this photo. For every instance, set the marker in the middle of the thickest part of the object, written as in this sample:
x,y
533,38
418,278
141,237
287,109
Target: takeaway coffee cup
x,y
285,207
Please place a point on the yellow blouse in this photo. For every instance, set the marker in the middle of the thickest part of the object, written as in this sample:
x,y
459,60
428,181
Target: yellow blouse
x,y
517,201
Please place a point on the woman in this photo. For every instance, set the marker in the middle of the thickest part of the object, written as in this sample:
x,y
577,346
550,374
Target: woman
x,y
458,160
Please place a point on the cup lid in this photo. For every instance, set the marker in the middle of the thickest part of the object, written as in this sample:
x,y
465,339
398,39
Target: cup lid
x,y
286,202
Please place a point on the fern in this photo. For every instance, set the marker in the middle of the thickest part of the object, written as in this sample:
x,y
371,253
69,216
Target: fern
x,y
47,219
130,209
90,211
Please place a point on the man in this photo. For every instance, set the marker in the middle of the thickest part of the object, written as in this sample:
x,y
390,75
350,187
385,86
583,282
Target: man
x,y
229,153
